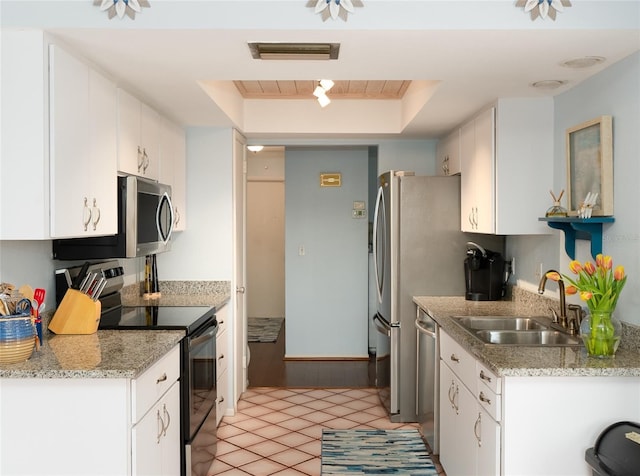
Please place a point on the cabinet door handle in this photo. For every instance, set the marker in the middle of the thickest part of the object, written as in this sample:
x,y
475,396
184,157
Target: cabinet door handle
x,y
140,159
160,427
221,399
166,413
145,161
86,214
477,428
483,376
451,392
162,378
96,214
484,399
454,358
176,213
221,356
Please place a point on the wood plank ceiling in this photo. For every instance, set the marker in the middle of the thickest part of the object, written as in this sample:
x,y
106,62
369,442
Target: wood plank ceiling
x,y
366,89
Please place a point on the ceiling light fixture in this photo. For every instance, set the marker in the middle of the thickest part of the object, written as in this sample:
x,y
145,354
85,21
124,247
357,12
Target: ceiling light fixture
x,y
120,8
326,84
543,8
549,84
255,148
320,92
324,100
585,62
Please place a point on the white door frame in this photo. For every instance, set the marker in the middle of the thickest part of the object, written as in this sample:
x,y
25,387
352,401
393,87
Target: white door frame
x,y
238,294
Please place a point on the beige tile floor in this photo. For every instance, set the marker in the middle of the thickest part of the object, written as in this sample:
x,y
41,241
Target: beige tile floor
x,y
278,431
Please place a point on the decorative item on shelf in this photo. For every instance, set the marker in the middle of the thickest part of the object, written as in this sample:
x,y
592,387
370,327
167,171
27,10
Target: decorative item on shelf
x,y
121,7
586,206
556,210
334,8
590,166
599,286
543,8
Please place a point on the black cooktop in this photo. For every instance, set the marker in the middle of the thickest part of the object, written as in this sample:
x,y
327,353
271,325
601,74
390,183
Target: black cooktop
x,y
188,318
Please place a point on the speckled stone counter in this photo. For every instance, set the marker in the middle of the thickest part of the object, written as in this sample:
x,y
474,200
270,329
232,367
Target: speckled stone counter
x,y
521,360
181,293
105,354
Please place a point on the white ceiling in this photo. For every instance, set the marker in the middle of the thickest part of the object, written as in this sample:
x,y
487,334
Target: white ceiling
x,y
456,71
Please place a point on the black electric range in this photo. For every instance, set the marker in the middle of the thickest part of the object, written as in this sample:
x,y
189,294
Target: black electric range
x,y
189,318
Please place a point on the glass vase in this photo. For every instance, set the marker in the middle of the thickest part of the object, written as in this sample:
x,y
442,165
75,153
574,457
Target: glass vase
x,y
601,333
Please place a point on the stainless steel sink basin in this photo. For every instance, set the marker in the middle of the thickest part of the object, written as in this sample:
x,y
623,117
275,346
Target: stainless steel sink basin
x,y
531,338
515,330
499,323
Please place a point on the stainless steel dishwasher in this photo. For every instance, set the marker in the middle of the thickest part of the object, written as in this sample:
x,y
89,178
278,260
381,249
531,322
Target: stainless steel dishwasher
x,y
427,378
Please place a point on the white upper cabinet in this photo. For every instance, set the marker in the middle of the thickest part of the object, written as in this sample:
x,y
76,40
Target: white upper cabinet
x,y
58,143
448,154
173,168
138,137
24,160
82,149
506,155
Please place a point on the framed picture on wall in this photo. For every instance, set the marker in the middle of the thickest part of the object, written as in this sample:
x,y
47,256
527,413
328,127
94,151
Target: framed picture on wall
x,y
590,165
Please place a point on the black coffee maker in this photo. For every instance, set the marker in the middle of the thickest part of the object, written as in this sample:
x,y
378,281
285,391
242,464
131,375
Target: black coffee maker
x,y
483,274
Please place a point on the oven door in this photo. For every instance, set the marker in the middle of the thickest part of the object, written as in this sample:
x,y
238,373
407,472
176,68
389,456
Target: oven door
x,y
201,377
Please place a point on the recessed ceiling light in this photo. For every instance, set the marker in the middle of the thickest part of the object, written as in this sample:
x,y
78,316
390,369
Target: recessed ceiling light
x,y
548,84
585,62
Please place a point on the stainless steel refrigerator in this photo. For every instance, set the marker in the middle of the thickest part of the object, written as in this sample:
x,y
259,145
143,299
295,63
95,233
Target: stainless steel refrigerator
x,y
419,250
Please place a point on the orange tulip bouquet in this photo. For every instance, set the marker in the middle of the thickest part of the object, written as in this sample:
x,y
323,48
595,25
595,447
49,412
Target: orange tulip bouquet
x,y
599,286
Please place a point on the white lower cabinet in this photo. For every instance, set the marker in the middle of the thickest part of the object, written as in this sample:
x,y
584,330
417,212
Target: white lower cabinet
x,y
156,437
93,426
469,432
525,425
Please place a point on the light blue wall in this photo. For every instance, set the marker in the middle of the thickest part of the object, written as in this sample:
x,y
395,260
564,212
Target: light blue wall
x,y
327,287
615,92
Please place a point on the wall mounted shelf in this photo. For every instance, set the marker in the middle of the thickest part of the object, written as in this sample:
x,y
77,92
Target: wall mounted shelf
x,y
575,228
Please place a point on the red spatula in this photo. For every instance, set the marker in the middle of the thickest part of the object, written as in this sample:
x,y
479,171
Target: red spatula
x,y
38,297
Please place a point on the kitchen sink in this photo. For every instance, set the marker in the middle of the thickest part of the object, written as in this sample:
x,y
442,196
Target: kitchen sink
x,y
500,323
515,330
531,338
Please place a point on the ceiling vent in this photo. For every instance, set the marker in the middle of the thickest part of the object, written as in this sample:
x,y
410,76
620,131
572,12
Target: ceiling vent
x,y
294,51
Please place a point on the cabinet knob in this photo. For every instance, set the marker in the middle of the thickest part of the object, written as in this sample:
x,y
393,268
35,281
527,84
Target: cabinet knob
x,y
454,358
221,356
162,378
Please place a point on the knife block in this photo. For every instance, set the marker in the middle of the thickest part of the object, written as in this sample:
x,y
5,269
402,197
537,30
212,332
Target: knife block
x,y
77,314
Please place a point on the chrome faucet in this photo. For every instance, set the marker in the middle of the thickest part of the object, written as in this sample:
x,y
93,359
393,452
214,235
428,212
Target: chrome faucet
x,y
563,305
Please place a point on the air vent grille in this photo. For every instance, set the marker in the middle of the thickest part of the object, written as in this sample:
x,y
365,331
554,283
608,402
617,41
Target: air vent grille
x,y
294,51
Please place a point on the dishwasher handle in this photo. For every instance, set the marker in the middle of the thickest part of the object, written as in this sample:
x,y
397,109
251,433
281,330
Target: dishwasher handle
x,y
423,330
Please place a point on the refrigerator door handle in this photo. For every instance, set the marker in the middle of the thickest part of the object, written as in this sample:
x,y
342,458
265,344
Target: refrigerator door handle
x,y
379,209
381,326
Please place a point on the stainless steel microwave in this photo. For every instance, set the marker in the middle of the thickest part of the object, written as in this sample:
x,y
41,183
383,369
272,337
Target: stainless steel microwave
x,y
145,225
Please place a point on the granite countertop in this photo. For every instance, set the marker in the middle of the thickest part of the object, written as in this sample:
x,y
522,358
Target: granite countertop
x,y
105,354
117,353
520,360
182,293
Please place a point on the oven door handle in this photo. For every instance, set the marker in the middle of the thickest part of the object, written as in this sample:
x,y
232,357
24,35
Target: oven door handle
x,y
196,341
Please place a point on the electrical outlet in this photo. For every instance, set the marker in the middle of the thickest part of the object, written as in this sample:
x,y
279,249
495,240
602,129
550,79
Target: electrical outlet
x,y
301,250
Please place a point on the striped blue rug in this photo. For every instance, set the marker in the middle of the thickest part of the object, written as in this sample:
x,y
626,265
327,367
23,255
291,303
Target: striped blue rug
x,y
371,452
